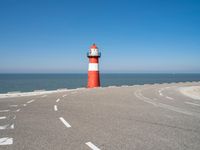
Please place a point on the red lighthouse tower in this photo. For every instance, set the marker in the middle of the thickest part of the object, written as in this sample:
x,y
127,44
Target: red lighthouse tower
x,y
93,68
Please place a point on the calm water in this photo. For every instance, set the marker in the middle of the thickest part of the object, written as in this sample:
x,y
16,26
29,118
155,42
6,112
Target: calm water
x,y
31,82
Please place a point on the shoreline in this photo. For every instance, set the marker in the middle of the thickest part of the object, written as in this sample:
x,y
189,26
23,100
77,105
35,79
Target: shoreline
x,y
41,92
34,93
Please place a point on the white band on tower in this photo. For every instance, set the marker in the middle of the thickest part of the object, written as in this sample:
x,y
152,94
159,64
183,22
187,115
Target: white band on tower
x,y
93,67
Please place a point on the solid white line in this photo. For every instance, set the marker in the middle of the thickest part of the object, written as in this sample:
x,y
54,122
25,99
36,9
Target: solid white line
x,y
65,122
139,95
192,103
30,101
55,108
3,117
169,98
92,146
6,141
57,100
4,110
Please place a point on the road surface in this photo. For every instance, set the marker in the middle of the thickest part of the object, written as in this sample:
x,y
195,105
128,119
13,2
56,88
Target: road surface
x,y
141,117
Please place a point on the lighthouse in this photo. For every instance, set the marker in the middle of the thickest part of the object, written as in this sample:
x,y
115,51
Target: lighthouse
x,y
93,67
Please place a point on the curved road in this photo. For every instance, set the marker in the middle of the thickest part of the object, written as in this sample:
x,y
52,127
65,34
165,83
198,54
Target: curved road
x,y
149,117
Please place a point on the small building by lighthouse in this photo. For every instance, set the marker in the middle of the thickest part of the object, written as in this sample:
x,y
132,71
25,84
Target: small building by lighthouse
x,y
93,67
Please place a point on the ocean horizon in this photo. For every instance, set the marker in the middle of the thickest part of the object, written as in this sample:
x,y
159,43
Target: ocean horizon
x,y
28,82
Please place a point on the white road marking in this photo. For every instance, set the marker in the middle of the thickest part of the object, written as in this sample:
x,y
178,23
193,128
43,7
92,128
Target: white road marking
x,y
65,122
55,108
64,95
170,98
24,105
6,141
12,126
165,106
5,110
92,146
13,105
17,110
145,99
160,93
192,103
57,100
7,127
3,117
43,95
30,101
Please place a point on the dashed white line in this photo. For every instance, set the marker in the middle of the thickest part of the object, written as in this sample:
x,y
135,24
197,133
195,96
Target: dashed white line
x,y
160,92
57,100
7,127
64,95
92,146
55,108
5,110
24,105
65,122
6,141
17,110
3,117
30,101
170,98
12,126
192,103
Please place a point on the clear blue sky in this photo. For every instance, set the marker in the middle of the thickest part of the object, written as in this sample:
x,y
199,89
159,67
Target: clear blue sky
x,y
151,36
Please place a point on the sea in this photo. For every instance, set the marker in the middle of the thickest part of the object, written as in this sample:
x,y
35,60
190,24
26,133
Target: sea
x,y
32,82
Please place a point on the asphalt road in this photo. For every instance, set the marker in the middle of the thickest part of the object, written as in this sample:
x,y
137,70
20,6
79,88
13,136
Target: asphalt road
x,y
145,117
